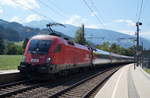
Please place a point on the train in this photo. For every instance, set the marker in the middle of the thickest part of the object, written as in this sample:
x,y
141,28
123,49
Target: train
x,y
50,54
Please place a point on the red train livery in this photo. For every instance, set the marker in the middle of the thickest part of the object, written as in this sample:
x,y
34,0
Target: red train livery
x,y
51,54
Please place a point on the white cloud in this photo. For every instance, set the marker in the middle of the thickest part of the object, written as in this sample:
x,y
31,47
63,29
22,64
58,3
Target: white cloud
x,y
75,20
128,22
93,13
8,2
1,11
16,19
33,17
26,4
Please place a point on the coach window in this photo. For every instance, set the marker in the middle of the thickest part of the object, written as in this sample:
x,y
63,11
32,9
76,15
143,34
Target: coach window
x,y
58,48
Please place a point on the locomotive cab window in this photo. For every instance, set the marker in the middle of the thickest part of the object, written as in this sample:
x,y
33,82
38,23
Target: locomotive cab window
x,y
39,46
58,48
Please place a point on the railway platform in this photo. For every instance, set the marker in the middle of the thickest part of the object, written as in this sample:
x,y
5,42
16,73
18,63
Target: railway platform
x,y
127,83
8,71
7,76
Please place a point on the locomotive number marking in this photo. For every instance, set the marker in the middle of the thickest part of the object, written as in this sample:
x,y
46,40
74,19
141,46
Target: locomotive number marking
x,y
34,60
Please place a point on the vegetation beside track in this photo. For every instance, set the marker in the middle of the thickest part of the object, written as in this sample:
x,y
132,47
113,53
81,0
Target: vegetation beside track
x,y
147,70
9,61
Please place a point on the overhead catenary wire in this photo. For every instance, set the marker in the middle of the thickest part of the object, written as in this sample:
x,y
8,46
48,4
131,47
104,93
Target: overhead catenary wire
x,y
52,9
91,10
58,8
137,9
34,11
99,13
140,11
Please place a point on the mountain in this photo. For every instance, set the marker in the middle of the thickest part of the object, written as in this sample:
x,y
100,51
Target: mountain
x,y
14,31
37,24
96,36
6,32
23,31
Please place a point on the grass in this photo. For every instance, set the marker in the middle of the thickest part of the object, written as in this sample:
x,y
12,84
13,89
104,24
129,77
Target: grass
x,y
9,61
147,70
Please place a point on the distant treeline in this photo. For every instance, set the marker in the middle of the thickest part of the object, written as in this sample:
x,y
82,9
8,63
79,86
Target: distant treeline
x,y
10,48
117,49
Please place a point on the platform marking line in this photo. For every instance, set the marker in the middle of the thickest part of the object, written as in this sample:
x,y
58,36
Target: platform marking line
x,y
132,91
145,73
116,85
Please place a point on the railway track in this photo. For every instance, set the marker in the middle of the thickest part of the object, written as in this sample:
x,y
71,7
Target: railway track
x,y
11,84
80,85
52,87
85,87
16,87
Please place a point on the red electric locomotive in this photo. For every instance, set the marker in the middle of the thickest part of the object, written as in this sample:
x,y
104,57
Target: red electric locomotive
x,y
47,54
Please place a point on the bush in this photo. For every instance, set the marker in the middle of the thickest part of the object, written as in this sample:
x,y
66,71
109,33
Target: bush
x,y
2,46
10,48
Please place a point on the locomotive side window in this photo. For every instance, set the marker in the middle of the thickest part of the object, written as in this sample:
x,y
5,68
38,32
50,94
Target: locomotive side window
x,y
39,46
70,43
58,48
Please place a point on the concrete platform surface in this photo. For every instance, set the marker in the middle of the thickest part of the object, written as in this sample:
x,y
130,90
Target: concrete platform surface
x,y
8,71
127,83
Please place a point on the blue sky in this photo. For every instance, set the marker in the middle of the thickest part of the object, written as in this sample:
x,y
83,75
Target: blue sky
x,y
118,15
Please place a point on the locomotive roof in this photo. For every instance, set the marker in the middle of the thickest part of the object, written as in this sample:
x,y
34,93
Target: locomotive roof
x,y
52,37
102,52
81,46
110,53
118,55
46,37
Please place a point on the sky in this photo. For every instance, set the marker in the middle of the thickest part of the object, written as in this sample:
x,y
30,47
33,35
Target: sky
x,y
118,15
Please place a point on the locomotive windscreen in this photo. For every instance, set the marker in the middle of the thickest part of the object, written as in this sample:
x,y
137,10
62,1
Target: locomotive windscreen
x,y
39,46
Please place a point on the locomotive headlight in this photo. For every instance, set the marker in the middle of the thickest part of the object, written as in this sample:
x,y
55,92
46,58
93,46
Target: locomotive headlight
x,y
48,60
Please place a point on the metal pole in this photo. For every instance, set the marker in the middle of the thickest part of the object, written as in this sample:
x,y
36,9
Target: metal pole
x,y
137,45
83,32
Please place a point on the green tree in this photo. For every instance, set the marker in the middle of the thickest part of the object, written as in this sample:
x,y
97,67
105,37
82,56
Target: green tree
x,y
105,46
19,50
2,46
79,37
11,49
117,49
25,43
131,51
